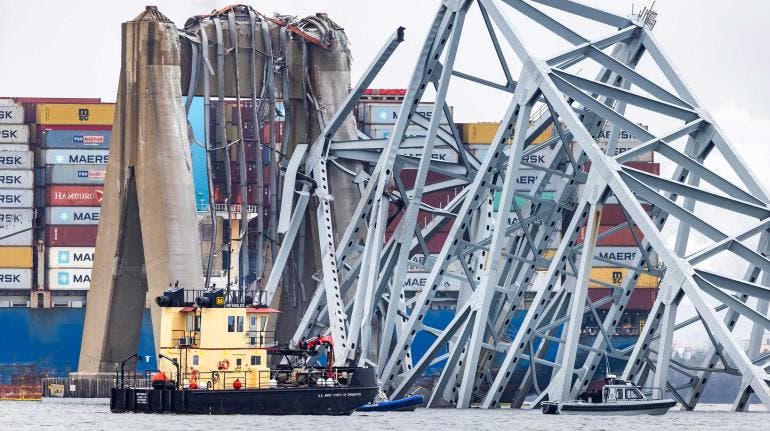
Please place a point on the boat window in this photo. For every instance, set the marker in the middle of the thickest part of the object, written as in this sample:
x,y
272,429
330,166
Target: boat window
x,y
197,322
195,359
619,394
256,360
253,340
239,319
230,323
238,362
633,394
253,321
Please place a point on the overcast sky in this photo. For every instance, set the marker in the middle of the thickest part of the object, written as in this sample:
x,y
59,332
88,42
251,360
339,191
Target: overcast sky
x,y
72,49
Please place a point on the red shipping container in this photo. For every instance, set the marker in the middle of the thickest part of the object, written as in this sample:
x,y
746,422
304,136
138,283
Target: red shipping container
x,y
620,238
651,167
71,236
235,195
641,299
409,175
612,214
74,196
265,133
251,173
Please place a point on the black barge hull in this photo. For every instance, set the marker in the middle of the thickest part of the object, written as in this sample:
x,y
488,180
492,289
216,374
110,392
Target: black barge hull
x,y
282,401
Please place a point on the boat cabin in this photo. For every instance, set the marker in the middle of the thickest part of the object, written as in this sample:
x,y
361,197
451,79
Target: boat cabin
x,y
618,390
211,339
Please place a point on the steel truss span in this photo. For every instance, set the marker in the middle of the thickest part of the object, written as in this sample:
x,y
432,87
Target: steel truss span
x,y
700,225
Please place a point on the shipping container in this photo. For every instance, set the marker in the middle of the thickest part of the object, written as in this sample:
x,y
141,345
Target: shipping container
x,y
641,299
387,113
16,159
251,173
622,237
69,279
620,256
71,257
75,174
73,215
15,179
479,133
30,104
520,201
16,227
11,112
15,257
71,236
235,194
417,281
612,214
649,167
616,277
72,195
441,154
75,137
383,131
14,134
15,278
68,114
75,157
16,198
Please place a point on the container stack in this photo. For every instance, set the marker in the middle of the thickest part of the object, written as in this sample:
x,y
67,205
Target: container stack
x,y
16,206
72,161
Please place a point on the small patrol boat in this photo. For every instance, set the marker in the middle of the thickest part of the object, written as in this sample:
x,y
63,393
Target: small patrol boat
x,y
618,397
214,348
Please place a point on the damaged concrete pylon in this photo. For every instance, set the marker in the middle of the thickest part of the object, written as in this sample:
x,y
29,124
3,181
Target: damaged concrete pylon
x,y
148,235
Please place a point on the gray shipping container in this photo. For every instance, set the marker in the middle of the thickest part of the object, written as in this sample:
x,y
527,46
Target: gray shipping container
x,y
75,174
387,113
78,139
16,159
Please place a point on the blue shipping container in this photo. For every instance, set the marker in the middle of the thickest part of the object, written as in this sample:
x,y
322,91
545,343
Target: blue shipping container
x,y
80,139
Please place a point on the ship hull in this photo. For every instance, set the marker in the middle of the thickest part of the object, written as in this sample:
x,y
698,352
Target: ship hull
x,y
283,401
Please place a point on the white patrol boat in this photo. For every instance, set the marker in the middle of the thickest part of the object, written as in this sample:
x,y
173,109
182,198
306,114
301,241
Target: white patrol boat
x,y
618,398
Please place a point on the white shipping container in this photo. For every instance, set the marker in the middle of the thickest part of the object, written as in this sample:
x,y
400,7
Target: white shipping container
x,y
76,157
69,279
73,215
11,112
16,159
387,113
415,262
440,154
15,227
16,198
622,255
14,179
14,134
14,147
71,257
416,281
383,131
15,278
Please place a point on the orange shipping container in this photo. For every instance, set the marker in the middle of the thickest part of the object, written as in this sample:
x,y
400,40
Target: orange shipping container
x,y
616,277
95,114
15,257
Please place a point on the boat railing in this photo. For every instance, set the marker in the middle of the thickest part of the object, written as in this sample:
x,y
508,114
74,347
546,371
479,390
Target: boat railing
x,y
233,297
134,379
266,379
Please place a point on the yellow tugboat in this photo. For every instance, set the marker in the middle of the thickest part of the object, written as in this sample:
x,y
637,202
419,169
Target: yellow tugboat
x,y
214,351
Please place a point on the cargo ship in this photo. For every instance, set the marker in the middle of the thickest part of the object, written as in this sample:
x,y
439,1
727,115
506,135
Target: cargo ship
x,y
59,151
214,350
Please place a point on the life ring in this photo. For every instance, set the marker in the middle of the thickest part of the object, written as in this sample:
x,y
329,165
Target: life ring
x,y
223,365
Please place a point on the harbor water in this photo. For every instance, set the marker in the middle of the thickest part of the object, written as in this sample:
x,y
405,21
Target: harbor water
x,y
94,414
